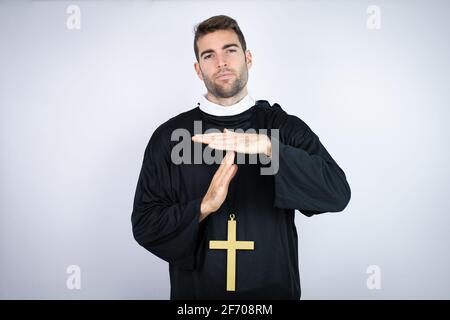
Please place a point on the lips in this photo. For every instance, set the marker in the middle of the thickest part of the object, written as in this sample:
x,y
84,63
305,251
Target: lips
x,y
224,75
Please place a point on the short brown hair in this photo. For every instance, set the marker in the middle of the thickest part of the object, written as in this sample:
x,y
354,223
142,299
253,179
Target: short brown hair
x,y
215,23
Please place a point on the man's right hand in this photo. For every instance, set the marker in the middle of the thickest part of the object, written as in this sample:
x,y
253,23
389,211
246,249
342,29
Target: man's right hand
x,y
218,188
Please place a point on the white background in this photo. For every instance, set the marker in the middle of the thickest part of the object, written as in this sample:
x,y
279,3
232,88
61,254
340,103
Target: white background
x,y
77,108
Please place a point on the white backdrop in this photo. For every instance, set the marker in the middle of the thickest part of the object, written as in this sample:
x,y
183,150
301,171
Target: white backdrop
x,y
78,106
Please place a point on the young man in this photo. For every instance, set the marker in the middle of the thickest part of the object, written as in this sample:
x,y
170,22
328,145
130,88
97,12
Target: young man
x,y
227,229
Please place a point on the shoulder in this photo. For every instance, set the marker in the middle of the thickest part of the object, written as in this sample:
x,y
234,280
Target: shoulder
x,y
278,117
292,129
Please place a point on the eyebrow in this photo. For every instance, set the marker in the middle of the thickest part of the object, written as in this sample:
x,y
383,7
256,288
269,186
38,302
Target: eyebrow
x,y
223,48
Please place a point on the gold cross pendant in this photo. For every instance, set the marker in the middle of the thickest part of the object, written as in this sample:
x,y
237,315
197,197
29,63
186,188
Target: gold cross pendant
x,y
231,245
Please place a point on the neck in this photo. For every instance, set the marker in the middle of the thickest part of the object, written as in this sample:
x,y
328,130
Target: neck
x,y
227,101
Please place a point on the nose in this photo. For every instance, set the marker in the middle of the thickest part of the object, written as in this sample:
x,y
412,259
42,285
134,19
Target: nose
x,y
221,61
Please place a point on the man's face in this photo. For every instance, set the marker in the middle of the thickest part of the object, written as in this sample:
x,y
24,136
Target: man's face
x,y
223,65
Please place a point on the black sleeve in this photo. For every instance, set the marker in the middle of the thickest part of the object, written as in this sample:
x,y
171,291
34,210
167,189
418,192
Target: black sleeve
x,y
161,225
308,179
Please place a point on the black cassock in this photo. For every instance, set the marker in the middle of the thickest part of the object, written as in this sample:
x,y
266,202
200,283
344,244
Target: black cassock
x,y
166,209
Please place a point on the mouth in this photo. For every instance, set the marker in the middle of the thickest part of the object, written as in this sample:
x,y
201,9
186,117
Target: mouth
x,y
225,75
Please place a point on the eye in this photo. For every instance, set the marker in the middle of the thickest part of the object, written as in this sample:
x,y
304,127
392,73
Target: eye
x,y
232,50
207,57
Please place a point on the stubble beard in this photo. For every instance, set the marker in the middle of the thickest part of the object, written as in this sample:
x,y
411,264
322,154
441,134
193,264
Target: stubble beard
x,y
223,89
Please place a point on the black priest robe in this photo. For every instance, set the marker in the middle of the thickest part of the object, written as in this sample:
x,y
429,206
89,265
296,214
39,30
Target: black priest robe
x,y
166,210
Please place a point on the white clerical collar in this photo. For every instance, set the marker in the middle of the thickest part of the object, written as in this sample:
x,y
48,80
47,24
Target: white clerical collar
x,y
217,110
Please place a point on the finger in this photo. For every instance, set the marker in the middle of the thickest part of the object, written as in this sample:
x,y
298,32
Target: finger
x,y
218,136
212,134
229,175
243,144
221,146
238,145
229,158
225,133
226,164
208,137
227,142
235,169
223,166
198,138
226,137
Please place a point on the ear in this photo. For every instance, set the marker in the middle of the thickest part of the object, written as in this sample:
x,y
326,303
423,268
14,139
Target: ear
x,y
249,58
198,70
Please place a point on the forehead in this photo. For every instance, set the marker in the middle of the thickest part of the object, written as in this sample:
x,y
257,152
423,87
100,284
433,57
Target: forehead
x,y
217,39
